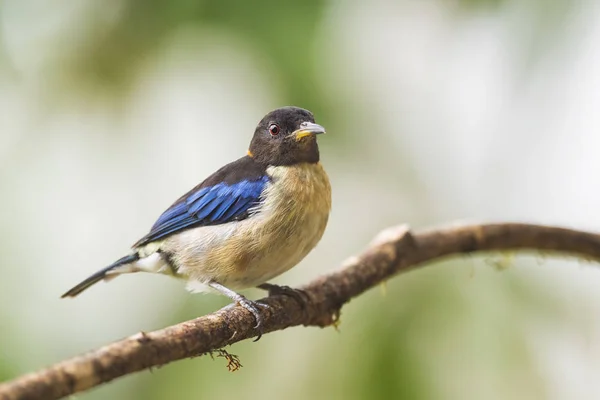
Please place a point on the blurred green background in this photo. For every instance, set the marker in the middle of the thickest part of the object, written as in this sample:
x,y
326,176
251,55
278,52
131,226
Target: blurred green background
x,y
436,111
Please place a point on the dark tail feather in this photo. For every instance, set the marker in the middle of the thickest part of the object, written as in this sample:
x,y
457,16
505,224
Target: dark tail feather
x,y
100,275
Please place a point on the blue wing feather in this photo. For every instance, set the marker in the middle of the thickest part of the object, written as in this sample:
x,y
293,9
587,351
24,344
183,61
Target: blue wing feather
x,y
240,204
219,211
210,205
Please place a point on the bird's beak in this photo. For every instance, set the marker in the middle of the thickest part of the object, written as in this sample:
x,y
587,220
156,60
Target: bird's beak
x,y
308,129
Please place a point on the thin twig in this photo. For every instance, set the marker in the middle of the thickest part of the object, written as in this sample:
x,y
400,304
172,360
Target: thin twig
x,y
394,250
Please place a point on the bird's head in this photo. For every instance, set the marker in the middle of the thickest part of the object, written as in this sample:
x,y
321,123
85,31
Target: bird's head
x,y
286,136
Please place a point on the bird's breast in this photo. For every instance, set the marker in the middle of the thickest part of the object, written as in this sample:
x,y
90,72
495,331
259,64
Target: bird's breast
x,y
296,206
281,231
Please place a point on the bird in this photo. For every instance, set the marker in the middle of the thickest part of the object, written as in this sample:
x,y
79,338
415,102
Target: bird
x,y
247,223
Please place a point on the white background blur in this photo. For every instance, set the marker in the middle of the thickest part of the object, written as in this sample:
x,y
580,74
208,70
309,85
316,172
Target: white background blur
x,y
436,111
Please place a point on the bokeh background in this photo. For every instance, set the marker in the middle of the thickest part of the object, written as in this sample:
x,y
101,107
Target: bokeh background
x,y
436,110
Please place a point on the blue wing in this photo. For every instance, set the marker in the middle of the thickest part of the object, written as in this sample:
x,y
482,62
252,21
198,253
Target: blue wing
x,y
208,205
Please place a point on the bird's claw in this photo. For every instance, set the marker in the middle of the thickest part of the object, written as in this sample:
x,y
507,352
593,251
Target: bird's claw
x,y
297,294
254,308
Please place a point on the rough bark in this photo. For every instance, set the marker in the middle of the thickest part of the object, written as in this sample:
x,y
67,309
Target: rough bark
x,y
393,251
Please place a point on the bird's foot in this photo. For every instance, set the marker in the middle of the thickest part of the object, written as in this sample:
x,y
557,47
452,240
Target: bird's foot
x,y
297,294
254,308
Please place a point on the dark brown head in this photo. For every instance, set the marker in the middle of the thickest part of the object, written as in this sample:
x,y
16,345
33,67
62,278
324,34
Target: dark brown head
x,y
286,136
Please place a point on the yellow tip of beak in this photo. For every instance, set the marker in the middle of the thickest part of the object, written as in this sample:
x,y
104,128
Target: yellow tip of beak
x,y
309,129
302,134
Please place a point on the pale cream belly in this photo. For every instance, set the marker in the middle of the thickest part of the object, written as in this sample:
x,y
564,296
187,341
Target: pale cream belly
x,y
283,231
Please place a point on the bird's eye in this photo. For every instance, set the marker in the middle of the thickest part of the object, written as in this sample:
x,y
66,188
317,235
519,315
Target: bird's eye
x,y
274,129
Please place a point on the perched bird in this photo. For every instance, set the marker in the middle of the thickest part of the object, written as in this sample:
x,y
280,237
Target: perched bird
x,y
247,223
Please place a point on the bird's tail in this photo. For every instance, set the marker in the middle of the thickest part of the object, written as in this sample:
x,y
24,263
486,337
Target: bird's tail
x,y
103,274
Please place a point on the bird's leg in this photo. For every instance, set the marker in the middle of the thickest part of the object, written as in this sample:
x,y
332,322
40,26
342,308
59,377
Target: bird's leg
x,y
249,305
297,294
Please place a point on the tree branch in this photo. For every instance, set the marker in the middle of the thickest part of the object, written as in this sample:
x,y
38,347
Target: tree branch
x,y
393,250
